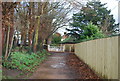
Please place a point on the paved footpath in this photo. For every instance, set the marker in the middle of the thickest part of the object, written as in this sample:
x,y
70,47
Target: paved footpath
x,y
63,66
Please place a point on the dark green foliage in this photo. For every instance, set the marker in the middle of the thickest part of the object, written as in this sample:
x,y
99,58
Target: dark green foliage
x,y
24,61
68,40
99,15
56,39
96,13
91,32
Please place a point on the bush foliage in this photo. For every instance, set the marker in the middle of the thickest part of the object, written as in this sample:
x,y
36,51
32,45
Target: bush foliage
x,y
92,31
56,39
24,61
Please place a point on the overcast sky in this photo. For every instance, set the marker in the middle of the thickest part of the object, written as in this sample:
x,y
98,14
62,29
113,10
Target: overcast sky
x,y
111,4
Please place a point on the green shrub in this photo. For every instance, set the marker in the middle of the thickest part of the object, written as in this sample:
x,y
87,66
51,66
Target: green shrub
x,y
91,32
56,39
24,61
69,39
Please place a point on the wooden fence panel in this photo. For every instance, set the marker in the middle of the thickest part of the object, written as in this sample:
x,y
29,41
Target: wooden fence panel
x,y
101,55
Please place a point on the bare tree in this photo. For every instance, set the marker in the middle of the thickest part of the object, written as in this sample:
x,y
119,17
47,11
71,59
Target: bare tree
x,y
7,24
34,21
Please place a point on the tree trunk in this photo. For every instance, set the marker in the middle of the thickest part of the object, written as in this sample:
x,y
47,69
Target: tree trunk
x,y
30,24
1,33
11,45
36,35
46,44
7,44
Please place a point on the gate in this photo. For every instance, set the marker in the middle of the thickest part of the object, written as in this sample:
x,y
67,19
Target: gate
x,y
56,48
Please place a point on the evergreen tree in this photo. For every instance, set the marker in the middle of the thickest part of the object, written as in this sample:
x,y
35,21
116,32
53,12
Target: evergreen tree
x,y
94,12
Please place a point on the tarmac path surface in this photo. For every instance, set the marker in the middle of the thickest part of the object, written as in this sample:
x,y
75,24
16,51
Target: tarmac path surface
x,y
63,66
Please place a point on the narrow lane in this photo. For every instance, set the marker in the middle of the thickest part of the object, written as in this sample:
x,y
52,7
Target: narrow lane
x,y
63,66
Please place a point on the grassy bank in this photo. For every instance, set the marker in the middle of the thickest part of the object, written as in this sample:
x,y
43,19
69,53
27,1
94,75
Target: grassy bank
x,y
25,62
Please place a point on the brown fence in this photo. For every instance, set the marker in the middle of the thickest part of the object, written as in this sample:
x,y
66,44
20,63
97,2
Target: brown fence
x,y
101,55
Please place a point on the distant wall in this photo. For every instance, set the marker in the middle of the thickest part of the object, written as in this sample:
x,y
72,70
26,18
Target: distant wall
x,y
68,47
101,55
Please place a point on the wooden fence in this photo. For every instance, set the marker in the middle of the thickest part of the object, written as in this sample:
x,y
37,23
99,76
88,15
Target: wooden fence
x,y
68,47
101,55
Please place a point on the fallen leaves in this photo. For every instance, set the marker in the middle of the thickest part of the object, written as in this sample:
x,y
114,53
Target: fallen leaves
x,y
80,67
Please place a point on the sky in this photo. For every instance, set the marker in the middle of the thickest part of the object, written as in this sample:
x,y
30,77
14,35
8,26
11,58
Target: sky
x,y
111,5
